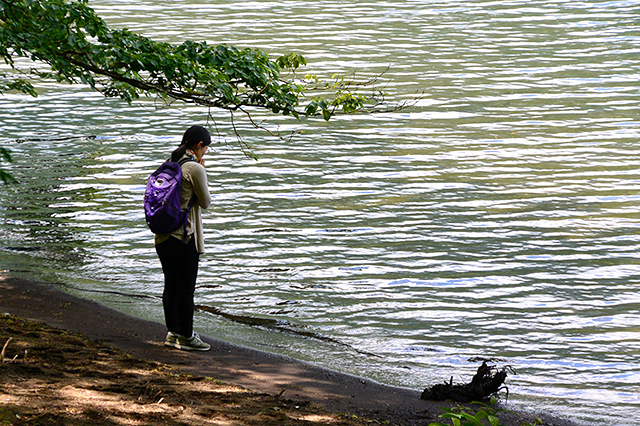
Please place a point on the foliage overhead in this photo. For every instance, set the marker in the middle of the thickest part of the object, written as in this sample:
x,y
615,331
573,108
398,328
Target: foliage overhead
x,y
79,47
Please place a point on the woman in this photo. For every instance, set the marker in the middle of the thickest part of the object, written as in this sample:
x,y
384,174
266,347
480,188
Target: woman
x,y
179,254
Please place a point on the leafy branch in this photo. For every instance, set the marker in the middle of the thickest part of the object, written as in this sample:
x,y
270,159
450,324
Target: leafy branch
x,y
79,47
71,44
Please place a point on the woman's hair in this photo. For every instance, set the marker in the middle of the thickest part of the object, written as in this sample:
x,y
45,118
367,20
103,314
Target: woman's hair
x,y
190,139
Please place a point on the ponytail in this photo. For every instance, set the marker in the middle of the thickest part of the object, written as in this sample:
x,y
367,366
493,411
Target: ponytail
x,y
192,137
178,153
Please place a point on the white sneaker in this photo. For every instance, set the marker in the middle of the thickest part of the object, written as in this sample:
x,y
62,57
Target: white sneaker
x,y
171,339
194,343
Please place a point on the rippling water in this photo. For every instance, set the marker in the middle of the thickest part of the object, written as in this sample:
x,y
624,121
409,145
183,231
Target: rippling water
x,y
499,217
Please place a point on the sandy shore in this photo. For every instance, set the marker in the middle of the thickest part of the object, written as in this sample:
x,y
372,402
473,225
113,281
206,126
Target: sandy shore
x,y
338,397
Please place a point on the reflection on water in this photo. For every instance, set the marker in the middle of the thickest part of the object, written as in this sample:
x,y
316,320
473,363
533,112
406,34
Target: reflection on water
x,y
497,218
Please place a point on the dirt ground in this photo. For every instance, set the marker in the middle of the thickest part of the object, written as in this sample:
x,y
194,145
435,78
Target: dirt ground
x,y
54,377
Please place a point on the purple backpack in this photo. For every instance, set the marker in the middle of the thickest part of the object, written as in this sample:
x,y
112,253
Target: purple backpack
x,y
162,199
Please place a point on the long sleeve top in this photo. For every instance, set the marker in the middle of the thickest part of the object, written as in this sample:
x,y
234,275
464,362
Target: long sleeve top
x,y
194,183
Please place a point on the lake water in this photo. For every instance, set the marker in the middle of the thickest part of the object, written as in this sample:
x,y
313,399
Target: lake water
x,y
499,217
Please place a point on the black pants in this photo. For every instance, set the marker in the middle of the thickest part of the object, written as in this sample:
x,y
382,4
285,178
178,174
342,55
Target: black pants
x,y
180,267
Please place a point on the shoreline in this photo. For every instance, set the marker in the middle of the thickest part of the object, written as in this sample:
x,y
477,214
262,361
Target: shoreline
x,y
254,370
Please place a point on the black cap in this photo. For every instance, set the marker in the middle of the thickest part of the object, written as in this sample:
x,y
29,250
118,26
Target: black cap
x,y
195,134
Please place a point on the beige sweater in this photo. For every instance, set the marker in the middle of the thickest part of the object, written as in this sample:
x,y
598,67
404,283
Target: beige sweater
x,y
194,182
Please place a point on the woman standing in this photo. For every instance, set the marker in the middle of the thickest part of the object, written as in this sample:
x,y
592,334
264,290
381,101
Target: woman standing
x,y
179,253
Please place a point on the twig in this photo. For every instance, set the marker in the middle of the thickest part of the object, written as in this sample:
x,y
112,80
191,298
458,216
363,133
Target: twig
x,y
4,349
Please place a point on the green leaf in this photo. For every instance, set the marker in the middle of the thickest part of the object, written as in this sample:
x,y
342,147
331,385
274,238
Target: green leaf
x,y
6,177
5,155
471,420
481,414
311,109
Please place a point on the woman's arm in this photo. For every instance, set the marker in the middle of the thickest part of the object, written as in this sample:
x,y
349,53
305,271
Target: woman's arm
x,y
200,186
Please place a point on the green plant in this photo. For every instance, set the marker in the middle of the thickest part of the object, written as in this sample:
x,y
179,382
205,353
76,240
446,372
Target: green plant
x,y
487,415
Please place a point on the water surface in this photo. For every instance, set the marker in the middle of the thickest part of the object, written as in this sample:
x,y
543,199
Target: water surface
x,y
497,218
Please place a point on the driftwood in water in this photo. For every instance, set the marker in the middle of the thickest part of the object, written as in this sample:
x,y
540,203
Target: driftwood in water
x,y
487,381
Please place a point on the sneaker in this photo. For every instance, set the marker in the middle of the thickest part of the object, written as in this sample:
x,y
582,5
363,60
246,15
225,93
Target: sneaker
x,y
171,339
191,344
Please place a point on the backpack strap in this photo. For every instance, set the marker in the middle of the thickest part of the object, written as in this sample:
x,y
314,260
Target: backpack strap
x,y
186,160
